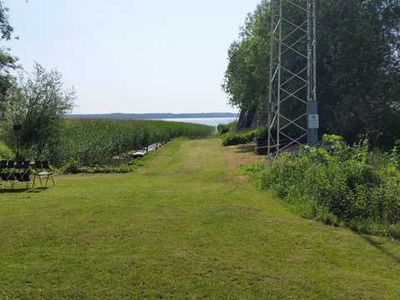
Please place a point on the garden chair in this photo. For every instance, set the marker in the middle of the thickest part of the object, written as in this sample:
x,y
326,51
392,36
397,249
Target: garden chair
x,y
7,172
23,172
43,170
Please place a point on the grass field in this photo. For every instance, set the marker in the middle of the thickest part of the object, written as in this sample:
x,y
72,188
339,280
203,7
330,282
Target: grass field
x,y
187,225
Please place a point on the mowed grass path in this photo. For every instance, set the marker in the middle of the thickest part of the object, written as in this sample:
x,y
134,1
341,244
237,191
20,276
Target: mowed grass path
x,y
187,225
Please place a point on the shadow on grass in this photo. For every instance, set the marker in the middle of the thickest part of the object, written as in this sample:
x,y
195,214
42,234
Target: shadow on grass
x,y
38,190
22,190
249,148
379,245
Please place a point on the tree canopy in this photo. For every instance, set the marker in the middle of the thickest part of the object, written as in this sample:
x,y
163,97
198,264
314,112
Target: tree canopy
x,y
7,61
358,68
35,103
38,103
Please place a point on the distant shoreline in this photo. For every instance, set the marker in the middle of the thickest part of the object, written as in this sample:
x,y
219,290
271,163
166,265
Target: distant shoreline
x,y
153,116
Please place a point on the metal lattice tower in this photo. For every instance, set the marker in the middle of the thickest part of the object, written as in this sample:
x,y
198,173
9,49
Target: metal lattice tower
x,y
292,111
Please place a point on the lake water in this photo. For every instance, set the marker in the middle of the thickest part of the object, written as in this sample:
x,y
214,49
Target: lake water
x,y
204,121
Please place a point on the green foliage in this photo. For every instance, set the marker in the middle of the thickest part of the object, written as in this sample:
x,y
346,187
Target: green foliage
x,y
7,61
237,138
358,68
38,103
5,151
247,71
74,167
332,138
225,128
345,185
96,142
106,169
71,167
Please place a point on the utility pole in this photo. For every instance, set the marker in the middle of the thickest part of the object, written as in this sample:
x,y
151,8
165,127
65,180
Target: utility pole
x,y
293,117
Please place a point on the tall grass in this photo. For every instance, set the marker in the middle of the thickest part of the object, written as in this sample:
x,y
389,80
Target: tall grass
x,y
93,142
341,185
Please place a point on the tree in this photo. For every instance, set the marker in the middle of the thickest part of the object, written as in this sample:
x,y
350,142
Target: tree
x,y
7,62
246,78
38,103
358,67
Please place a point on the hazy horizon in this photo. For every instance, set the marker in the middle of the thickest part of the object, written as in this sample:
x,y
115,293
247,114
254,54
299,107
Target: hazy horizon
x,y
161,113
131,56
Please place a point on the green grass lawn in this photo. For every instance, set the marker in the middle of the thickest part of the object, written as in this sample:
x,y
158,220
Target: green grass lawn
x,y
187,225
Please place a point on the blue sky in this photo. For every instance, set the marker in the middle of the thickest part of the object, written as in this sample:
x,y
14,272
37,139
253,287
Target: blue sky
x,y
131,55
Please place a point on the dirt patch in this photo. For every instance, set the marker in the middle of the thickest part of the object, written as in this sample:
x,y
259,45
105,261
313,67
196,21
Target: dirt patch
x,y
243,155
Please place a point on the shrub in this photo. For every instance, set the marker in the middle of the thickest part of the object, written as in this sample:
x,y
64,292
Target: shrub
x,y
232,139
226,128
5,151
38,104
71,167
75,167
339,185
